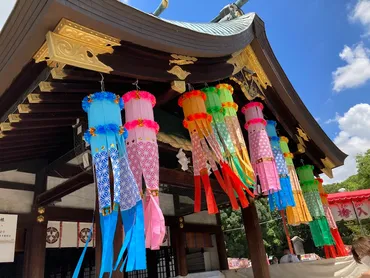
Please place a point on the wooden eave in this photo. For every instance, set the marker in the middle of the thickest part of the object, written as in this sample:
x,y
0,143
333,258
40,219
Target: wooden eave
x,y
149,43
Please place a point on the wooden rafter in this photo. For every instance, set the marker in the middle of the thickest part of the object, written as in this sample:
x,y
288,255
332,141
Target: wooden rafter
x,y
16,185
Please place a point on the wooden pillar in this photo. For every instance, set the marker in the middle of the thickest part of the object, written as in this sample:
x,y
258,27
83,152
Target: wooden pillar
x,y
178,241
35,247
35,250
255,241
221,247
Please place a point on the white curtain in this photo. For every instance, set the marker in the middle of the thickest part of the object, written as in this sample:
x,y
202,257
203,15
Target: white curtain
x,y
344,267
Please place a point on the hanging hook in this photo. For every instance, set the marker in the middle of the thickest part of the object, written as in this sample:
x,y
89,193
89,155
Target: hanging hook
x,y
136,84
102,87
190,87
206,84
302,161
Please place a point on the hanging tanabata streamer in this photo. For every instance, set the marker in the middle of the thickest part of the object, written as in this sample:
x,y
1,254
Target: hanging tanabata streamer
x,y
227,144
284,197
319,226
205,148
229,109
262,159
299,214
142,149
106,136
339,249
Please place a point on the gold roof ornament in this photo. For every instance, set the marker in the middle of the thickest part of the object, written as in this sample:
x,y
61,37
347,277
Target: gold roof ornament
x,y
76,45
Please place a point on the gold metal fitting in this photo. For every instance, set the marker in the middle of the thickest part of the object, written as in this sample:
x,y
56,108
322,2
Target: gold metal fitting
x,y
41,210
40,218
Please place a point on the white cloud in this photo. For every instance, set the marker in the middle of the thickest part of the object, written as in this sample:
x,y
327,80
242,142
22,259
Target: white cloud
x,y
353,139
333,120
125,1
317,119
357,70
361,13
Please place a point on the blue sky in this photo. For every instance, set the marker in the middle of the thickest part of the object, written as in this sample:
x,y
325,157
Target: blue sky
x,y
308,38
324,48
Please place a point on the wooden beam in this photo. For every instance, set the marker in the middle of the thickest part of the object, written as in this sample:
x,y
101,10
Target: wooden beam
x,y
67,131
7,163
182,179
204,228
166,176
65,188
134,61
24,84
38,124
16,185
27,166
55,98
65,171
253,232
77,74
33,143
62,161
29,150
15,118
69,214
49,108
87,88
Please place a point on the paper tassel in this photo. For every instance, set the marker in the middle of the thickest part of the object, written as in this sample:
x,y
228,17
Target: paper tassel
x,y
143,156
206,149
319,226
106,136
262,159
284,197
299,214
183,160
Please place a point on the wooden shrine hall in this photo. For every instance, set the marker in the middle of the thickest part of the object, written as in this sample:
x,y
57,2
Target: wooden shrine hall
x,y
55,52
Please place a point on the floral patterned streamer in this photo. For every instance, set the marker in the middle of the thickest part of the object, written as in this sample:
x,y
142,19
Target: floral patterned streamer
x,y
206,148
143,156
284,197
106,136
299,214
262,159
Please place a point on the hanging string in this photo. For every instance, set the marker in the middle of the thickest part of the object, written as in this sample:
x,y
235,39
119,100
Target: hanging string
x,y
102,87
190,87
136,84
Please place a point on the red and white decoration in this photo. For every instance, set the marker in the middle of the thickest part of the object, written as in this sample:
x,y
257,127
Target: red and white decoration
x,y
61,234
348,206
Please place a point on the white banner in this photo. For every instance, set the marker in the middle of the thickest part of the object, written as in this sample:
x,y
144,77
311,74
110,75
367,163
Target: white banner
x,y
343,267
8,231
68,234
347,211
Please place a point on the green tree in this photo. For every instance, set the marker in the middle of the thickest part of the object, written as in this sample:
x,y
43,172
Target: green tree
x,y
272,225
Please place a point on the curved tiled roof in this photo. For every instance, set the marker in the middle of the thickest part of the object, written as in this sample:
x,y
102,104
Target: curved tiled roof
x,y
225,28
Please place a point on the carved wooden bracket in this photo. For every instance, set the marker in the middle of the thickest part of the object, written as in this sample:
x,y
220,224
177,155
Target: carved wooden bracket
x,y
76,45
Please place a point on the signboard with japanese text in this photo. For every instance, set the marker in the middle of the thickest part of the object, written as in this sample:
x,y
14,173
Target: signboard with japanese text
x,y
347,211
8,231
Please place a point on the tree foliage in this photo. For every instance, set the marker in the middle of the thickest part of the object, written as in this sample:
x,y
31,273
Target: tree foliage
x,y
272,225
